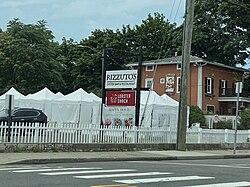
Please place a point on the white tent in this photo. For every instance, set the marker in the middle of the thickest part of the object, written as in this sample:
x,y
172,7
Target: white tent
x,y
78,95
173,102
170,100
44,94
154,112
77,107
40,100
58,95
11,91
95,97
157,111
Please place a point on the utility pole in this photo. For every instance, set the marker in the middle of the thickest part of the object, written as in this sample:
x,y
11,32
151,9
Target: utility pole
x,y
104,61
138,89
185,66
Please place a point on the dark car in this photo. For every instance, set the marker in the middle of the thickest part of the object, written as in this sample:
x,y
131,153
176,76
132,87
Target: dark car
x,y
25,115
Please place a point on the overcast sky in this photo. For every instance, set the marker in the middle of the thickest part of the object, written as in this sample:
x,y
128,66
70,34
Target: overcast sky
x,y
77,18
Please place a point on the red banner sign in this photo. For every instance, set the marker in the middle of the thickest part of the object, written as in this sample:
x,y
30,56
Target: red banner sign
x,y
120,98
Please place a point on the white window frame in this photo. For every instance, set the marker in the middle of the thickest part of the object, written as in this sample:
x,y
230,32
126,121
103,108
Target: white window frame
x,y
209,85
210,106
178,66
223,87
149,80
150,69
178,84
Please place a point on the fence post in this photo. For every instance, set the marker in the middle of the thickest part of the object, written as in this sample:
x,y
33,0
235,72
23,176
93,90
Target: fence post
x,y
36,133
226,136
91,133
135,134
199,135
248,137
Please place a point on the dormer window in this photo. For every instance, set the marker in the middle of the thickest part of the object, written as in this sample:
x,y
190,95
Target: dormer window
x,y
150,68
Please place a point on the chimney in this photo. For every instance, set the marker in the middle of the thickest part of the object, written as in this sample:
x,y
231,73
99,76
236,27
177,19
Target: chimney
x,y
175,54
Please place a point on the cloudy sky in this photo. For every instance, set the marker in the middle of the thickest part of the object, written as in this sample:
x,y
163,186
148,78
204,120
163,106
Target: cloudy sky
x,y
77,18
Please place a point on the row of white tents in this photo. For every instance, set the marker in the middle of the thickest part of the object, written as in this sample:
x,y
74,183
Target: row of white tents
x,y
85,108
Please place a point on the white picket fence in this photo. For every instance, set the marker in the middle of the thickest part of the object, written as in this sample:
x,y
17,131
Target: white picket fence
x,y
78,133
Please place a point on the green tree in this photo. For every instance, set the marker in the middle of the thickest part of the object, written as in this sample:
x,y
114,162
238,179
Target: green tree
x,y
69,53
246,83
155,35
245,119
29,58
196,116
222,30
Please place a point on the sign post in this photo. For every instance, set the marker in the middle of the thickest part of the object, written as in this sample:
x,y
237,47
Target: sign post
x,y
238,90
9,106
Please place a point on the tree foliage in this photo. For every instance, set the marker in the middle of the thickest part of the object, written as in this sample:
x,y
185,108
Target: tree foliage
x,y
245,119
29,58
222,31
196,116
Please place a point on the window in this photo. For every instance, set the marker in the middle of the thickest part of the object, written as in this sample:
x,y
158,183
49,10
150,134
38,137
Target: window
x,y
210,109
209,85
223,86
149,83
149,68
178,85
178,66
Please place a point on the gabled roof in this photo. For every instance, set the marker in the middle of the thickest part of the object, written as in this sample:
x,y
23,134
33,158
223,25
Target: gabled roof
x,y
178,60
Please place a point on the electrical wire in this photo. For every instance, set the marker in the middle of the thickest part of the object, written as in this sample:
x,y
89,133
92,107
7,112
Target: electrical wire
x,y
177,10
172,10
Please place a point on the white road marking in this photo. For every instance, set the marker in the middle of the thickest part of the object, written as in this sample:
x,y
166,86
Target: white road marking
x,y
232,184
90,171
54,169
122,175
167,179
194,164
20,168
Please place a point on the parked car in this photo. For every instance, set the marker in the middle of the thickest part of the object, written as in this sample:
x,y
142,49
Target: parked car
x,y
25,115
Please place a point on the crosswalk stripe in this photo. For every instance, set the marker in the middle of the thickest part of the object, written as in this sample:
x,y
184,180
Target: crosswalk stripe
x,y
231,184
121,175
54,169
167,179
20,168
90,171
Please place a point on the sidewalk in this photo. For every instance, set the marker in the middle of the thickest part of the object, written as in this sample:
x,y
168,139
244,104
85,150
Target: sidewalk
x,y
61,157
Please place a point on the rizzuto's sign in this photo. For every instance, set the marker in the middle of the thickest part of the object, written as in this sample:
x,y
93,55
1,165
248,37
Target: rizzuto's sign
x,y
121,79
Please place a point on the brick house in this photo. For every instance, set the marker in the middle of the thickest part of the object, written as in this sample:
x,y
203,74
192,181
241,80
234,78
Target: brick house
x,y
211,85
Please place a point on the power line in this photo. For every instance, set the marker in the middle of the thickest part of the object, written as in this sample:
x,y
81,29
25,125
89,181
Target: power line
x,y
172,10
177,10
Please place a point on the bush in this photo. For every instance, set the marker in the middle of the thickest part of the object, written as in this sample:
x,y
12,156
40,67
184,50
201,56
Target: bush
x,y
196,116
223,125
245,119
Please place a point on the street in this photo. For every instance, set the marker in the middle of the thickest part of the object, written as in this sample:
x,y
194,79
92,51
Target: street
x,y
181,173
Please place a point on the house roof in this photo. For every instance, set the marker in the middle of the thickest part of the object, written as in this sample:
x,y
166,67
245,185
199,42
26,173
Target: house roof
x,y
178,59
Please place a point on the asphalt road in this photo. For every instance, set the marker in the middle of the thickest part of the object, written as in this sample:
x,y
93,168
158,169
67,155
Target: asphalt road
x,y
185,173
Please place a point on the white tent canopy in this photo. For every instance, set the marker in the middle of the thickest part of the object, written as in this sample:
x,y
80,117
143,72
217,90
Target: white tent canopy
x,y
170,100
85,108
13,91
44,94
78,95
157,111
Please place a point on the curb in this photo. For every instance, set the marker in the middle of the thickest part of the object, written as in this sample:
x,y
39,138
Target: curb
x,y
77,160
